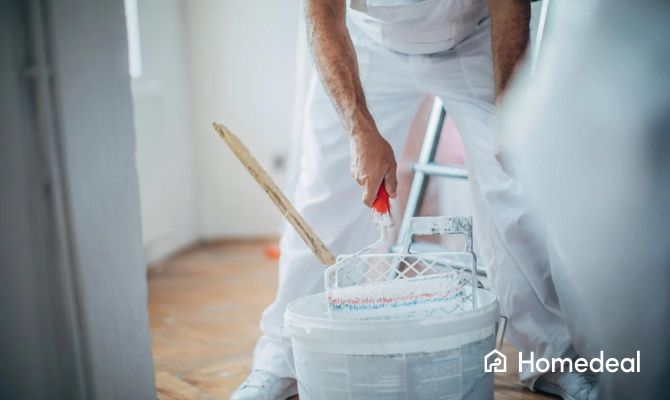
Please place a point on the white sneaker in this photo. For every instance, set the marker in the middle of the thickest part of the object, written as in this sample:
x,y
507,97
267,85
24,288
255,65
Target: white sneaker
x,y
262,385
568,385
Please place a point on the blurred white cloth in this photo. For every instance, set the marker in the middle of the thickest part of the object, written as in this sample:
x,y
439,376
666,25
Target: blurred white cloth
x,y
590,141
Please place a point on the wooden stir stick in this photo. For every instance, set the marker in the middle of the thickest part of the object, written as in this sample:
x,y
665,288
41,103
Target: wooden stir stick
x,y
285,207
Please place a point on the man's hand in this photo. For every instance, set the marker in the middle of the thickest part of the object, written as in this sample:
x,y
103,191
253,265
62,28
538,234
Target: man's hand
x,y
372,162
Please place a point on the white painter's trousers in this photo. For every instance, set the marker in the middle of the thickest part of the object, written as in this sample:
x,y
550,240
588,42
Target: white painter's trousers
x,y
329,198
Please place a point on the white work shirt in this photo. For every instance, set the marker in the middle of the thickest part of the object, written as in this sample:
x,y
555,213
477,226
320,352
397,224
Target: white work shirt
x,y
417,26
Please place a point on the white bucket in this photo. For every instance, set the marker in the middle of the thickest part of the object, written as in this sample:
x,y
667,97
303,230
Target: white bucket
x,y
434,358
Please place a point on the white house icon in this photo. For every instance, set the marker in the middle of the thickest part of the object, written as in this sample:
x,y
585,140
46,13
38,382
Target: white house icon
x,y
495,361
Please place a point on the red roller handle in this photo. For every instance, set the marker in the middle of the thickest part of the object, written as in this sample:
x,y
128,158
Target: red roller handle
x,y
382,204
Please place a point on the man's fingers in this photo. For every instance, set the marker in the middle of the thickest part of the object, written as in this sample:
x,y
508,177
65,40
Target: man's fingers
x,y
369,194
370,189
391,183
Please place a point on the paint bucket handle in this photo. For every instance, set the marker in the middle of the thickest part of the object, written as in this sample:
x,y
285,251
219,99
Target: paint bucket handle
x,y
501,327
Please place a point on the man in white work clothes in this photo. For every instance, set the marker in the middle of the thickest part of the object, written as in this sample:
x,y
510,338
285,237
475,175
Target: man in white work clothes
x,y
376,60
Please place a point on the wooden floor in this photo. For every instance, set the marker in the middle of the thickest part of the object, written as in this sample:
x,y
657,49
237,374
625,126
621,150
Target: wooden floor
x,y
204,307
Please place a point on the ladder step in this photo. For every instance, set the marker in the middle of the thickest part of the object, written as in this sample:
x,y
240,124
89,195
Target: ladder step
x,y
444,170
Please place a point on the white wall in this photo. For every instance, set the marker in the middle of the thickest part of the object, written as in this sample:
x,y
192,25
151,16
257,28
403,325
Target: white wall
x,y
36,363
73,290
242,72
165,159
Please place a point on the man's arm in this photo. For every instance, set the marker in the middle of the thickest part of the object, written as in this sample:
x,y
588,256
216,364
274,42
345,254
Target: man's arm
x,y
509,37
372,159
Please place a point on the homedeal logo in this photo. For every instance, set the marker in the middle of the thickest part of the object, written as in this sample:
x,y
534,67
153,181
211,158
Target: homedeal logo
x,y
495,361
